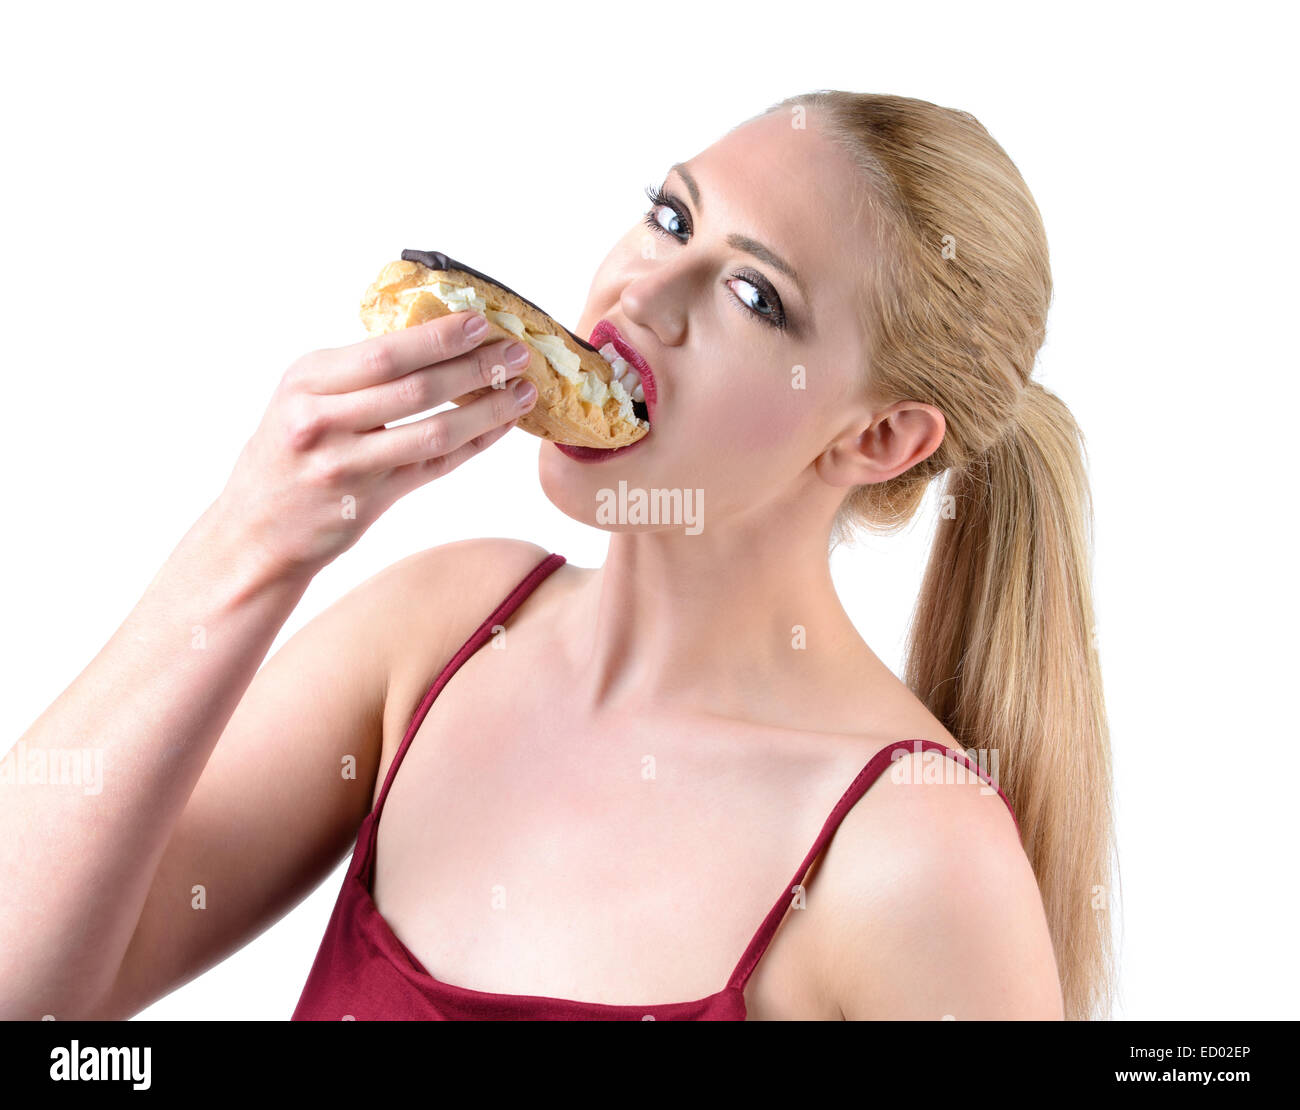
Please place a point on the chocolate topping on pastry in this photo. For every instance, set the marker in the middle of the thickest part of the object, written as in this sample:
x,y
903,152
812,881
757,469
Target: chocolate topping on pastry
x,y
436,260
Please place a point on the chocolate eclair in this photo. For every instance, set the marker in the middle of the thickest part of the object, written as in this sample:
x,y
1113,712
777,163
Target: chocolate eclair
x,y
580,400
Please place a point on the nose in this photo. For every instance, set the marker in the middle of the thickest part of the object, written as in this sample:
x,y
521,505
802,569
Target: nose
x,y
656,297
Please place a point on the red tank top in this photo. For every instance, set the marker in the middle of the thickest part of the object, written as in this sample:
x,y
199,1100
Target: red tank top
x,y
363,972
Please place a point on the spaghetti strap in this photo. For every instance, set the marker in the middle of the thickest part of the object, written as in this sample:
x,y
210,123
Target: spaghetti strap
x,y
512,601
858,787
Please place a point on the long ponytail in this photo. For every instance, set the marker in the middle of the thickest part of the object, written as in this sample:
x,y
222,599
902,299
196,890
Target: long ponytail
x,y
1001,648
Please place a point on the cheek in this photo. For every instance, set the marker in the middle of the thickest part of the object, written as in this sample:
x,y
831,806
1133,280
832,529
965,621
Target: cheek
x,y
763,421
621,259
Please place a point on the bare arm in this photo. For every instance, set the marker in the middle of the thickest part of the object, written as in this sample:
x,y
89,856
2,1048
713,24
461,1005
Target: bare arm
x,y
76,866
267,823
76,860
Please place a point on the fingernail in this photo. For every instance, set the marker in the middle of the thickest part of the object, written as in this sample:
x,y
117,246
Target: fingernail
x,y
525,391
516,354
475,326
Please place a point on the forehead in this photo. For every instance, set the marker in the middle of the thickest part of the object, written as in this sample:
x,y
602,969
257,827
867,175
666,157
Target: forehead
x,y
793,190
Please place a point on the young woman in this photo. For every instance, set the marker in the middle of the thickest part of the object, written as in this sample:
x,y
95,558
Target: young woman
x,y
679,785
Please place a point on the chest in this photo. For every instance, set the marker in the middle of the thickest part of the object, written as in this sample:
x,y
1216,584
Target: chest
x,y
523,849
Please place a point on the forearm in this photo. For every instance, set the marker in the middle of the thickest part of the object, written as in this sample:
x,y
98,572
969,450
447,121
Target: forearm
x,y
92,791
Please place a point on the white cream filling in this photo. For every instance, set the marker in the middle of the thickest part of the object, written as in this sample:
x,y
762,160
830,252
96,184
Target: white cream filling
x,y
624,402
564,361
593,390
507,320
460,298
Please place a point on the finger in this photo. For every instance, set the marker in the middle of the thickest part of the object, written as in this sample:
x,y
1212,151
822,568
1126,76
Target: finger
x,y
476,372
463,399
383,358
417,474
472,395
440,434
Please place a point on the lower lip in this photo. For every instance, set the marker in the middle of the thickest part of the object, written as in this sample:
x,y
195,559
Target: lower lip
x,y
597,454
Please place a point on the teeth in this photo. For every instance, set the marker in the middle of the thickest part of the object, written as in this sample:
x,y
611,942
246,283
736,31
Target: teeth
x,y
624,372
632,383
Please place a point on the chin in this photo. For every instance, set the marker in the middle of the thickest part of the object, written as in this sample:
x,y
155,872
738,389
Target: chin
x,y
618,495
564,485
572,486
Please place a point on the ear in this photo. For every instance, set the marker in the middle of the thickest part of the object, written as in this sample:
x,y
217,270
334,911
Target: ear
x,y
883,445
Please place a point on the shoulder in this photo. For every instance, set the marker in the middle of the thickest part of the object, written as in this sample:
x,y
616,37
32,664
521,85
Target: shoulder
x,y
418,600
933,906
462,564
425,605
424,590
429,603
425,599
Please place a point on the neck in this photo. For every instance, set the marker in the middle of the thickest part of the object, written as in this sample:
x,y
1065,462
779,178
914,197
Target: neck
x,y
732,621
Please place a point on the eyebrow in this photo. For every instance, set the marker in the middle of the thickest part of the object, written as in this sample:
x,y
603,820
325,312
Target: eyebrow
x,y
744,242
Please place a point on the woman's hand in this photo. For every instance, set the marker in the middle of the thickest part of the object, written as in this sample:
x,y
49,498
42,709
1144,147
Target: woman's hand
x,y
322,466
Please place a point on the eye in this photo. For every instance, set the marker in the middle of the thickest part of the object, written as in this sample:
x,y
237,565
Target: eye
x,y
759,303
668,216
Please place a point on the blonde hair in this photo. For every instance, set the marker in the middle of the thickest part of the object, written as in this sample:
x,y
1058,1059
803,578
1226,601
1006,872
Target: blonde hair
x,y
1001,647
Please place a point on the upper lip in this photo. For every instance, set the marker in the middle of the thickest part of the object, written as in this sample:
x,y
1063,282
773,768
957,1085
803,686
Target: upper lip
x,y
605,332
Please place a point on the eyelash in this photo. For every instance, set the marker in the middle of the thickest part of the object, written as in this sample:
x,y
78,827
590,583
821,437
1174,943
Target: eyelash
x,y
660,199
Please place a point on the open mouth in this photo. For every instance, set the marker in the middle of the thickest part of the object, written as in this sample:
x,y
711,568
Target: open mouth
x,y
634,376
629,366
629,378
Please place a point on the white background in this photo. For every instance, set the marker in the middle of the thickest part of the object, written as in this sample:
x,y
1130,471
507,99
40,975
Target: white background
x,y
193,197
